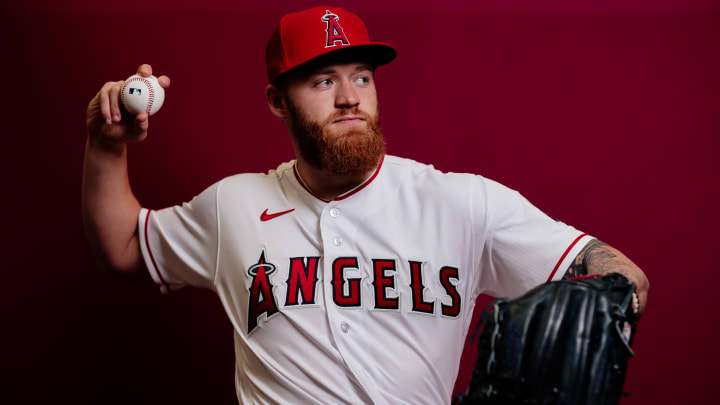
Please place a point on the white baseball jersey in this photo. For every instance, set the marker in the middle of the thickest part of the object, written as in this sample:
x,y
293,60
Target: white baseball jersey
x,y
363,299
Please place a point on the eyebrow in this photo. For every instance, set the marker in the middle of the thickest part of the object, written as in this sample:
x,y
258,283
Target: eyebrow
x,y
325,71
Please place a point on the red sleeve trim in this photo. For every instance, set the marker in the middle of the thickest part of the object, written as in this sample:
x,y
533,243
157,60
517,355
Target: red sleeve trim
x,y
565,254
585,276
152,258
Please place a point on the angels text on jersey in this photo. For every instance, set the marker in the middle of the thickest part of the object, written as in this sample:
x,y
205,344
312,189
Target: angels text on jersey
x,y
302,286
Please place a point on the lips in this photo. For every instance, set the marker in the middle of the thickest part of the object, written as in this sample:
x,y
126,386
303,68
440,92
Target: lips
x,y
349,118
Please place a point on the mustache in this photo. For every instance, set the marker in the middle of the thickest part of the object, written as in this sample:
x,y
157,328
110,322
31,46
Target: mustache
x,y
355,111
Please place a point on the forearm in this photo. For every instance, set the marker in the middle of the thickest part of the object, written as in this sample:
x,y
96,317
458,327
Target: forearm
x,y
110,210
600,258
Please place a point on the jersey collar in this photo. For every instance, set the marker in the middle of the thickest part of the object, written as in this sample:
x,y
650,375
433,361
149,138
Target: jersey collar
x,y
342,196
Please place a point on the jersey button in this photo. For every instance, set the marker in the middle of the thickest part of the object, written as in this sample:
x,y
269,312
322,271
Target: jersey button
x,y
337,241
334,212
345,327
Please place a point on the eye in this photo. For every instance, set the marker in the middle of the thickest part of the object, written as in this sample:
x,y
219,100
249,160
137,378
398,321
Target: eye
x,y
323,83
363,80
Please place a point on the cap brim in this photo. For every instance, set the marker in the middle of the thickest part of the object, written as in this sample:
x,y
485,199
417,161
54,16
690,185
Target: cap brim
x,y
377,53
381,53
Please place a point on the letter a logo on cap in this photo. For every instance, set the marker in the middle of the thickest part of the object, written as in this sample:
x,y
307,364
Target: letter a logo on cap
x,y
334,31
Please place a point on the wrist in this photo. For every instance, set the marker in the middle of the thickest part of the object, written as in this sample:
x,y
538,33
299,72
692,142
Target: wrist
x,y
105,145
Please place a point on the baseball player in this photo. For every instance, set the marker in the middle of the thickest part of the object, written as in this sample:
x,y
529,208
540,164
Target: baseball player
x,y
349,275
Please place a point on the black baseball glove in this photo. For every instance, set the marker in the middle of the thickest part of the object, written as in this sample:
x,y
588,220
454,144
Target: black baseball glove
x,y
564,342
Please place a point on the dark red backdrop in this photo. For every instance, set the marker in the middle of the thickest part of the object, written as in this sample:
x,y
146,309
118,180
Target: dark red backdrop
x,y
604,115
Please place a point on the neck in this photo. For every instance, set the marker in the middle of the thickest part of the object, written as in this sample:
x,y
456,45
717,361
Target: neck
x,y
327,186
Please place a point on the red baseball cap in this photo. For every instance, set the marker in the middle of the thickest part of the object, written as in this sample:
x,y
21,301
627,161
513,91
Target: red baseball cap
x,y
306,35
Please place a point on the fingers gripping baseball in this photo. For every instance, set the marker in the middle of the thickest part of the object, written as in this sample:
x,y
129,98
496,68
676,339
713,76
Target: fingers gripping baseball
x,y
145,70
119,120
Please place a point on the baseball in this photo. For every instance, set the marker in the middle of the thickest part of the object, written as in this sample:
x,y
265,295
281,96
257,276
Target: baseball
x,y
142,94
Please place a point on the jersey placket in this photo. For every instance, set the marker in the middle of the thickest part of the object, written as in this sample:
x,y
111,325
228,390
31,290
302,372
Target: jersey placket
x,y
345,318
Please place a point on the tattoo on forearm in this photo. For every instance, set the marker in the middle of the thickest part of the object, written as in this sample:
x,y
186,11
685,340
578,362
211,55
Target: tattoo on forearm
x,y
596,258
577,267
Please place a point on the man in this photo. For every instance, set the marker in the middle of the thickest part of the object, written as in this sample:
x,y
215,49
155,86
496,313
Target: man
x,y
349,276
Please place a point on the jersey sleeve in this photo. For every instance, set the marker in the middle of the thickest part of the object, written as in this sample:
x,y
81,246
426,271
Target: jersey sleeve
x,y
180,244
523,247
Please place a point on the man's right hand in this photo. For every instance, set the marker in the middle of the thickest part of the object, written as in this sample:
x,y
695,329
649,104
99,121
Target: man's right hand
x,y
110,210
107,119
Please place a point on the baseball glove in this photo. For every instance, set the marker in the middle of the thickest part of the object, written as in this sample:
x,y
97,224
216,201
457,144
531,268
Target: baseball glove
x,y
564,342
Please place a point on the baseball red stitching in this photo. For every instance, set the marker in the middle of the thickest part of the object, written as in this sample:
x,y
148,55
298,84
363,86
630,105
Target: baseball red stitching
x,y
151,88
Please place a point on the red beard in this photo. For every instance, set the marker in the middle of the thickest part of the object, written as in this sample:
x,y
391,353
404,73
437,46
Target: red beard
x,y
351,152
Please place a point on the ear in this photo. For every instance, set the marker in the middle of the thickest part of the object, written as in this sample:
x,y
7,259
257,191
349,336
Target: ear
x,y
276,102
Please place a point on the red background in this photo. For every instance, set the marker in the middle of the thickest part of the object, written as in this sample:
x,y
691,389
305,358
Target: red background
x,y
605,115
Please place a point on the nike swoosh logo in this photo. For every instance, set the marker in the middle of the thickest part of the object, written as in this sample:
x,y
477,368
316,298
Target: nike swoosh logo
x,y
266,217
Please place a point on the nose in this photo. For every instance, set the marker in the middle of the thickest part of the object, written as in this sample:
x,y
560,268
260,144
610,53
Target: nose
x,y
346,95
